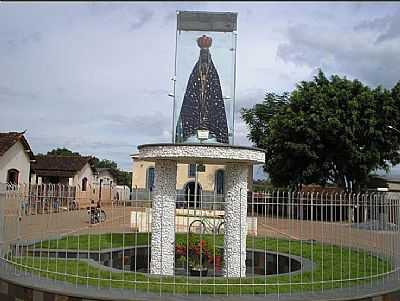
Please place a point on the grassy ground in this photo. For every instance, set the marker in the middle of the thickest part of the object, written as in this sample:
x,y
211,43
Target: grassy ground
x,y
334,268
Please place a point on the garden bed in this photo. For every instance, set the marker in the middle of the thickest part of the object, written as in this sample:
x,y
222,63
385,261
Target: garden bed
x,y
333,266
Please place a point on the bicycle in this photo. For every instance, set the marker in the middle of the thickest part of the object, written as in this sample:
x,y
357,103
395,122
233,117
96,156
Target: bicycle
x,y
204,225
96,216
73,205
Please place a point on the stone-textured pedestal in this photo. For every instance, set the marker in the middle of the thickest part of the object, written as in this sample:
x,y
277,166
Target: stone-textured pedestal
x,y
163,219
235,220
237,160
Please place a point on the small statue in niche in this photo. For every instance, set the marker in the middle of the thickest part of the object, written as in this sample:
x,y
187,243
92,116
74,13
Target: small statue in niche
x,y
203,106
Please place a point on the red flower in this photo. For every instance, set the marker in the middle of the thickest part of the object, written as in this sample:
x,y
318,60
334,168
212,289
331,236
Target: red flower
x,y
197,252
217,260
180,250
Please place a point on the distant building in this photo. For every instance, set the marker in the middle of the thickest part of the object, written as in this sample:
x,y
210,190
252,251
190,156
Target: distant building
x,y
77,171
210,181
15,158
385,183
66,170
106,176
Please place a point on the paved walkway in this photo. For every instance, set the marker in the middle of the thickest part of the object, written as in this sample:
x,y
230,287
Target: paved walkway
x,y
52,225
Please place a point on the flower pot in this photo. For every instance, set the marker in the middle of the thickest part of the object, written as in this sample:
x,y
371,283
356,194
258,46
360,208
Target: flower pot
x,y
198,271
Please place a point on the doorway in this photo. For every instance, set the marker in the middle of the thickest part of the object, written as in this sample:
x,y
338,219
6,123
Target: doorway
x,y
192,200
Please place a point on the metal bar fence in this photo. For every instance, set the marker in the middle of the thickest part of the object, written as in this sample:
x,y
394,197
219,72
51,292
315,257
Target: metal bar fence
x,y
297,242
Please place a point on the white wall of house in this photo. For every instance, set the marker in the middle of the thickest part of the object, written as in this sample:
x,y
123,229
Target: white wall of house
x,y
85,172
123,192
393,185
106,177
15,158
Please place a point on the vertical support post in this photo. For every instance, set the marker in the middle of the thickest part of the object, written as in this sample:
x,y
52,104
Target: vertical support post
x,y
2,217
235,227
163,219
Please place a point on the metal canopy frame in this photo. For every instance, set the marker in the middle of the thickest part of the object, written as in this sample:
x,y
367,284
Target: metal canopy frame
x,y
207,21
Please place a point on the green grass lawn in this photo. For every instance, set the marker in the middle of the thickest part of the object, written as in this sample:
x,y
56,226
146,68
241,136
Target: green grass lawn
x,y
334,267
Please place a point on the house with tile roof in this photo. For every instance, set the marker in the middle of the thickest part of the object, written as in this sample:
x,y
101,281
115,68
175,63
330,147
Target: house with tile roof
x,y
15,158
74,171
66,170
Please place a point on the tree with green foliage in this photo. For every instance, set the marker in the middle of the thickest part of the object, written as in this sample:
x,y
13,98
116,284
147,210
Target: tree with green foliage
x,y
62,152
327,131
124,178
104,163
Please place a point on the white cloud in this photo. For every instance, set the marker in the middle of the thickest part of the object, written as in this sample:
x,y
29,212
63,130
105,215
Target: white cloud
x,y
95,76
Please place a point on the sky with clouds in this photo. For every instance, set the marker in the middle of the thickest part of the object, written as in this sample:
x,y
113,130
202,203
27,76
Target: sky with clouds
x,y
95,77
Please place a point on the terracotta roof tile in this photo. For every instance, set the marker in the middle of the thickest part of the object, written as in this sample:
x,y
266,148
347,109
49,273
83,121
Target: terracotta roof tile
x,y
59,164
7,140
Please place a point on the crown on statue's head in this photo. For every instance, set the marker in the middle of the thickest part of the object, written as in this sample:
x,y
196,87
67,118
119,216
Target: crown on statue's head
x,y
204,42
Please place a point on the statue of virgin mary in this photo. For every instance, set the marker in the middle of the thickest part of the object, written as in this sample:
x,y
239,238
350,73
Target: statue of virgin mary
x,y
203,108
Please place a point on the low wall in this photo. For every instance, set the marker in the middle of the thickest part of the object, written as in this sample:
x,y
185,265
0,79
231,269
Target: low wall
x,y
13,291
141,220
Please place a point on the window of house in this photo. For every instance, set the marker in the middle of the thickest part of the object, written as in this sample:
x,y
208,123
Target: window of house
x,y
150,178
219,181
192,170
12,176
84,184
